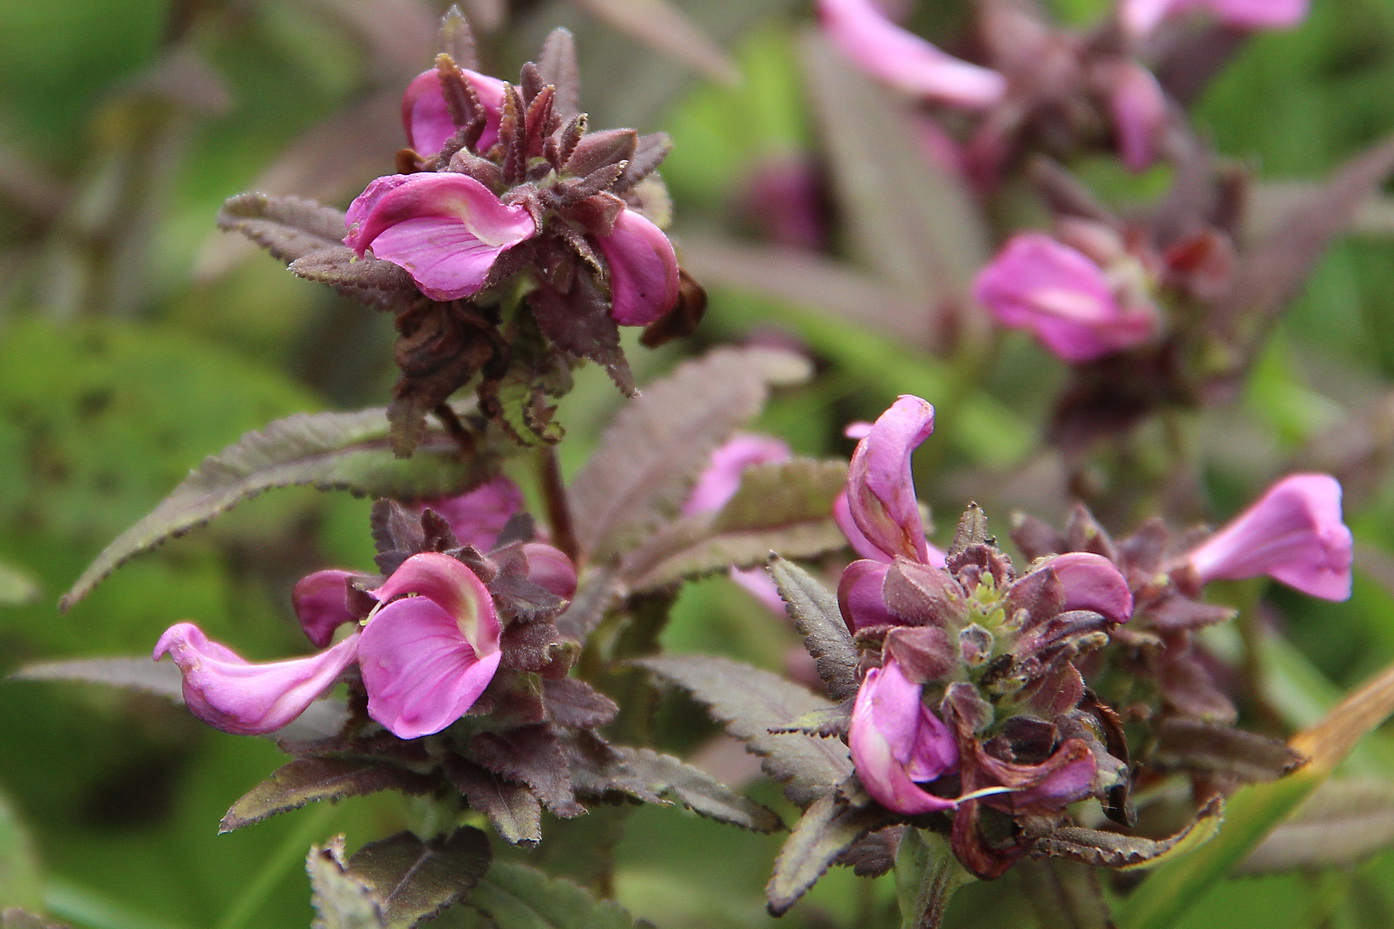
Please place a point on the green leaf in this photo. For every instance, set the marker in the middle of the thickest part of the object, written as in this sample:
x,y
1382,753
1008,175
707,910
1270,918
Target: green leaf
x,y
1065,894
306,780
750,702
783,507
650,776
19,869
340,900
819,620
1342,823
413,880
926,876
345,451
826,829
651,453
520,897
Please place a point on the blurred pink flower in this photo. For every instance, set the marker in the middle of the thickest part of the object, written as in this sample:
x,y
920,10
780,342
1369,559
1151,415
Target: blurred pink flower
x,y
445,229
1294,533
1062,297
904,60
1139,109
1140,17
898,743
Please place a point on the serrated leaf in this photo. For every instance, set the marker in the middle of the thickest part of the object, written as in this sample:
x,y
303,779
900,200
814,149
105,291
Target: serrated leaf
x,y
650,776
287,227
749,703
530,755
653,449
331,451
414,880
1343,822
826,829
520,897
341,267
910,220
306,780
1121,852
512,810
819,620
340,900
786,508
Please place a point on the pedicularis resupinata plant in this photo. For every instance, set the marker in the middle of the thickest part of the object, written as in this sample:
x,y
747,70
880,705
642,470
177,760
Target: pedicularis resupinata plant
x,y
1064,689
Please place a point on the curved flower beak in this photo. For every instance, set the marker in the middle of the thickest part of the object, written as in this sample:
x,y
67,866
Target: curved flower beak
x,y
426,117
1140,17
1294,533
880,486
1062,297
898,743
445,229
550,569
643,270
426,659
246,698
321,604
1138,106
904,60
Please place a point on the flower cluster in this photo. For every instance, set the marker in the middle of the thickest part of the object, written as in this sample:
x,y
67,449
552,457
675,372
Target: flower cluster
x,y
427,639
972,701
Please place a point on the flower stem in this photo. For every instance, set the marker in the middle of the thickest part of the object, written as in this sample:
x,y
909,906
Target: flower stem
x,y
558,509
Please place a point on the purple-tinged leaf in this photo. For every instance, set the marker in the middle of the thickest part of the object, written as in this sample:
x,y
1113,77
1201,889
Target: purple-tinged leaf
x,y
816,615
341,901
306,780
579,322
159,678
520,897
340,267
573,703
827,829
785,508
287,227
651,776
512,810
1344,822
653,450
530,755
600,591
330,451
1122,852
1218,749
749,703
557,65
414,880
662,26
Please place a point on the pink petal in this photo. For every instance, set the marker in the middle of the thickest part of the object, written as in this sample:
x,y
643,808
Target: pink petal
x,y
550,569
1092,582
1140,17
720,480
235,695
897,741
478,516
1057,293
1257,14
321,604
643,270
860,597
1294,533
419,668
445,229
427,119
455,589
1139,109
880,486
903,60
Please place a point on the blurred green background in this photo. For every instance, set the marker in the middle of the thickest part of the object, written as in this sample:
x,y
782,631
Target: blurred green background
x,y
136,339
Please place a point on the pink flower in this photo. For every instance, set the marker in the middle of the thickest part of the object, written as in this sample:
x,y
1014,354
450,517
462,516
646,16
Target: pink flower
x,y
643,270
882,515
1062,297
1092,582
898,743
476,517
427,118
445,229
1293,533
1140,17
426,653
905,61
1139,110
